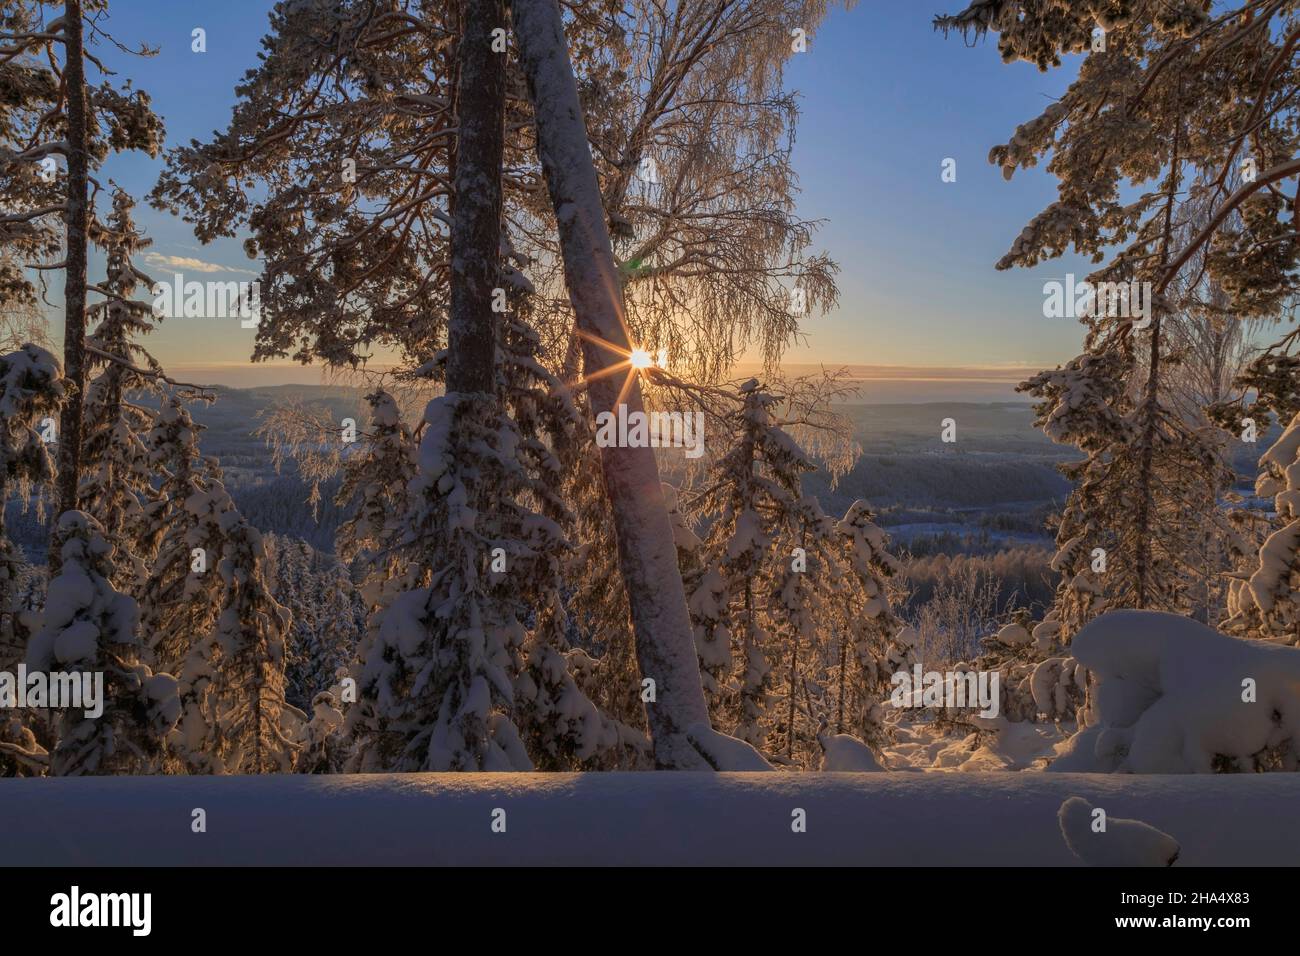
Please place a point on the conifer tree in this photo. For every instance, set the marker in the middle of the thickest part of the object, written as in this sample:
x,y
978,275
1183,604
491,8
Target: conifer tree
x,y
801,600
1125,539
232,680
1261,600
31,391
872,645
117,481
89,628
56,111
180,595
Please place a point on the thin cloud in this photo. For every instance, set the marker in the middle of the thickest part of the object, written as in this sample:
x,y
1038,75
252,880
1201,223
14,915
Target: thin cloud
x,y
185,263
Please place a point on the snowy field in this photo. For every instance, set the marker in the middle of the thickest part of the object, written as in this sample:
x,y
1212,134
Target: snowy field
x,y
876,819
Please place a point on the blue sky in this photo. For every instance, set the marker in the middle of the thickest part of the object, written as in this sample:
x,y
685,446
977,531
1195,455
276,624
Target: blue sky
x,y
884,100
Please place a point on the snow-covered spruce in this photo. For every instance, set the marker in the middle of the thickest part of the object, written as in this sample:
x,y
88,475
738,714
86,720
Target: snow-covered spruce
x,y
595,599
1143,527
181,593
1125,537
561,724
89,627
470,667
795,599
880,645
1261,601
31,393
329,617
440,673
232,680
375,497
1170,695
374,491
116,477
1035,678
324,747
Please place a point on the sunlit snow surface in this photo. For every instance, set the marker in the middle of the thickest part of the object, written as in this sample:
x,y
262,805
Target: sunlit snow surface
x,y
896,819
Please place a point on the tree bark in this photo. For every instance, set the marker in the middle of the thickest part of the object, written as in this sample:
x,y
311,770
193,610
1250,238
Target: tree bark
x,y
476,223
74,288
665,646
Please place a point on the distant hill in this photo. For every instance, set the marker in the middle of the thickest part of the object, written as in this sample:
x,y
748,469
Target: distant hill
x,y
993,487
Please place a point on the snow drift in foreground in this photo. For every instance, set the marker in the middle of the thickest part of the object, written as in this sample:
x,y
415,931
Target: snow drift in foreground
x,y
1119,843
743,819
1175,696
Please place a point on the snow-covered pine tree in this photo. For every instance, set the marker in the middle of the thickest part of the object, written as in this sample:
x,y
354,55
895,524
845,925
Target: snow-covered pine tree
x,y
181,593
1261,601
324,747
1080,406
1127,538
31,391
790,589
742,504
1140,110
90,628
375,498
232,680
489,548
440,672
374,490
870,649
456,677
798,607
116,474
562,726
327,616
596,600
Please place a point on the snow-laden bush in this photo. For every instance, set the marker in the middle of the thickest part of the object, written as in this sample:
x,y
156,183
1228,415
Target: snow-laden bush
x,y
1170,695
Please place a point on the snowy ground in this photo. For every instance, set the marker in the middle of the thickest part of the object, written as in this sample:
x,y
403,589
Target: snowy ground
x,y
894,819
918,745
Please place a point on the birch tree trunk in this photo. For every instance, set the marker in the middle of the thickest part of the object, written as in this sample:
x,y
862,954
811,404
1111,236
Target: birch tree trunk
x,y
678,717
476,221
74,289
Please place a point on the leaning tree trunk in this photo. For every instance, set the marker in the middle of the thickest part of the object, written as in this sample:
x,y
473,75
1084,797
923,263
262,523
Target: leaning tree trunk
x,y
476,222
74,289
665,646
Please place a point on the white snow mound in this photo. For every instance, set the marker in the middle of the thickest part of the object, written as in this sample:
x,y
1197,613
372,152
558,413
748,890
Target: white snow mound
x,y
1175,696
844,753
1120,843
